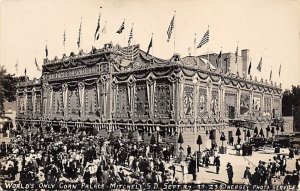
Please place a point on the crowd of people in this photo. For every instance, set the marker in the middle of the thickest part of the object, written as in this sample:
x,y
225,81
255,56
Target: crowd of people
x,y
266,173
79,158
89,159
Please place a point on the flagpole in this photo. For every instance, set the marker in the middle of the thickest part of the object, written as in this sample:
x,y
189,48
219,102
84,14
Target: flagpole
x,y
64,38
221,60
46,50
124,34
80,33
152,46
195,44
208,48
237,67
174,31
249,66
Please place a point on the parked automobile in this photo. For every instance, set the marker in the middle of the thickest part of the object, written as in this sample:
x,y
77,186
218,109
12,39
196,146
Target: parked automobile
x,y
282,141
257,142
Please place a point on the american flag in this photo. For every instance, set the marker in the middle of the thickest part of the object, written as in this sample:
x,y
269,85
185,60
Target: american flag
x,y
46,50
64,39
149,46
97,33
249,69
37,66
17,66
279,70
130,36
259,65
204,39
236,54
170,29
79,35
122,27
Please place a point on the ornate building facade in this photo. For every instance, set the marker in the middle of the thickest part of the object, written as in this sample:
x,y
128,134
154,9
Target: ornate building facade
x,y
117,89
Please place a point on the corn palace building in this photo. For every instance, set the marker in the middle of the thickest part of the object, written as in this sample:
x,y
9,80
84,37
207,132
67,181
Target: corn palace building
x,y
120,89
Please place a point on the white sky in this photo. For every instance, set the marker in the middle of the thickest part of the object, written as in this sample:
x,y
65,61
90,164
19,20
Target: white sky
x,y
269,28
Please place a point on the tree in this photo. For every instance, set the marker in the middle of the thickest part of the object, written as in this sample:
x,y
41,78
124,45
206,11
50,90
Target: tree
x,y
111,136
277,128
248,134
238,134
268,130
63,130
261,132
282,129
273,131
199,141
255,131
130,135
94,131
291,105
211,137
222,138
8,87
152,140
180,139
48,128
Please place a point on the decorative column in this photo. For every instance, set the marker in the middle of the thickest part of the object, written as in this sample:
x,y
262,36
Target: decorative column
x,y
81,98
195,82
17,100
151,92
50,102
114,97
100,107
44,99
104,89
222,100
280,105
209,96
251,103
238,99
180,85
173,81
65,98
131,95
262,110
33,102
25,101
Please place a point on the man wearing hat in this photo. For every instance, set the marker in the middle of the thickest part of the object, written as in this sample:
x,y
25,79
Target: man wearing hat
x,y
294,179
247,175
229,170
217,163
176,181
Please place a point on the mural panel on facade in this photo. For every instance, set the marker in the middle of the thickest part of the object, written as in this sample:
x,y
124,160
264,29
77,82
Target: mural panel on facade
x,y
29,108
122,102
90,100
245,103
21,104
188,106
230,104
141,101
162,100
214,102
256,105
57,103
38,104
73,104
268,106
202,105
